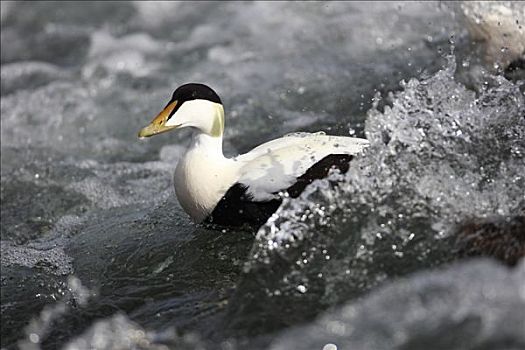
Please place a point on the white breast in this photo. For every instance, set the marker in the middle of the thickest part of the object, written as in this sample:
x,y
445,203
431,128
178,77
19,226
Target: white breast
x,y
201,179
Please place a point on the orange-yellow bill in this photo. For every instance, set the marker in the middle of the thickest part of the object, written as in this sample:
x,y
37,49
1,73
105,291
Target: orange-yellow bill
x,y
158,125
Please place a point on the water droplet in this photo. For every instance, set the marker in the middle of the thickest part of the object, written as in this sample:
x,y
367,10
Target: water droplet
x,y
34,338
330,346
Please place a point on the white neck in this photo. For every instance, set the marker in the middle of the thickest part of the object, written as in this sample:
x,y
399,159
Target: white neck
x,y
209,146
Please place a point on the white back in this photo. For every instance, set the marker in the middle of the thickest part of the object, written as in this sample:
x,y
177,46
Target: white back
x,y
274,166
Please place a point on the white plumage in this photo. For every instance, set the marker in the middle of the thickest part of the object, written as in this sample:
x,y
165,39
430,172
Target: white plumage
x,y
232,190
276,165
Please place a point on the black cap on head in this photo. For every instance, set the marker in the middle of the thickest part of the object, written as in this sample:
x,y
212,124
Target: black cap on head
x,y
194,91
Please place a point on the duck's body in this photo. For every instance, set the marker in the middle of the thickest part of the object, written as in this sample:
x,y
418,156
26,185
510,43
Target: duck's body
x,y
245,189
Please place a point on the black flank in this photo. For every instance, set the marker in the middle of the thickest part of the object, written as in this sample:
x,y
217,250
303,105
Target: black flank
x,y
236,208
319,171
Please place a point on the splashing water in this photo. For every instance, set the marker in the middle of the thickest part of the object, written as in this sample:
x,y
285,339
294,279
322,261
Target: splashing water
x,y
80,195
439,154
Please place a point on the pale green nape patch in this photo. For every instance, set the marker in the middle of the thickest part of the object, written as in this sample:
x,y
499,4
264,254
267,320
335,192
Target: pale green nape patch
x,y
217,129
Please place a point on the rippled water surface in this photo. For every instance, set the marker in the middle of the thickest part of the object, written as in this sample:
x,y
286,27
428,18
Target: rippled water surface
x,y
96,252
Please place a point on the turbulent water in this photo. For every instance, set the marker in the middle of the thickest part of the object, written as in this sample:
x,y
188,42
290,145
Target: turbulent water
x,y
97,253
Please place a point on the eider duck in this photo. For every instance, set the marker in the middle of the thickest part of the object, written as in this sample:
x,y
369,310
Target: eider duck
x,y
246,189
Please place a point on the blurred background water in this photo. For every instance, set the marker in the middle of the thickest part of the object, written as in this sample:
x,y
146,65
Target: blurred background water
x,y
97,253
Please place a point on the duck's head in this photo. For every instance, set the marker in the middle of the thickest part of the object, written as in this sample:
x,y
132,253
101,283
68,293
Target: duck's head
x,y
195,105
